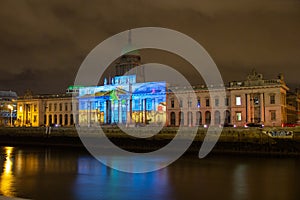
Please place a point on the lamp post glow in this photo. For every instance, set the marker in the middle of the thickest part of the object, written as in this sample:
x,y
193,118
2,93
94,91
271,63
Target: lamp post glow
x,y
11,110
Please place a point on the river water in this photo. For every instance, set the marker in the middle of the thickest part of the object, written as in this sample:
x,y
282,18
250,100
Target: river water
x,y
71,173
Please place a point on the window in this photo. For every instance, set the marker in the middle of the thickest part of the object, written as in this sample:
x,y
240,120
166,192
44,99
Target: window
x,y
272,99
216,102
273,115
181,118
34,118
71,106
207,117
66,106
45,119
66,119
190,118
55,106
238,100
256,100
238,116
180,103
173,118
34,107
172,103
189,103
60,107
217,117
198,118
207,102
198,102
226,103
50,106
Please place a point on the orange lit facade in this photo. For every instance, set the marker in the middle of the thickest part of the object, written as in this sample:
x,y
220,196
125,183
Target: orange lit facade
x,y
46,110
253,100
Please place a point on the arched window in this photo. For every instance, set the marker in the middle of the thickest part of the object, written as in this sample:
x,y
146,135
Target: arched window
x,y
217,118
45,119
55,119
66,119
198,118
60,119
173,118
50,119
190,118
71,119
227,117
181,118
207,117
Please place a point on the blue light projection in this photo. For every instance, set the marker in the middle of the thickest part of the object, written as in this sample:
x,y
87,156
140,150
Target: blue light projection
x,y
123,102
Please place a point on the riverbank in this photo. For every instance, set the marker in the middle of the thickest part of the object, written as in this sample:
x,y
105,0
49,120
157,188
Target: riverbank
x,y
232,140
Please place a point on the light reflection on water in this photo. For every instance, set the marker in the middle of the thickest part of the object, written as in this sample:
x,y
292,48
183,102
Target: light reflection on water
x,y
71,173
97,180
7,177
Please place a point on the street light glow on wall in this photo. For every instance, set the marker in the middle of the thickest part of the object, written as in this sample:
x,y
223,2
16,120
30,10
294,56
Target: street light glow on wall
x,y
11,110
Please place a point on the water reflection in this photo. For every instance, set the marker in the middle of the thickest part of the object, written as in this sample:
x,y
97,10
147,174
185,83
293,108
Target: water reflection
x,y
7,177
240,182
68,173
97,180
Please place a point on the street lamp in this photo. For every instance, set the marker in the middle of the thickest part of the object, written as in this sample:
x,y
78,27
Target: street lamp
x,y
11,110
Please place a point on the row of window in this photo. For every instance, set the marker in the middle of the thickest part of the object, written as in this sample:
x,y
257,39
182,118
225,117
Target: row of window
x,y
255,99
272,115
198,103
60,119
238,101
60,107
207,117
199,121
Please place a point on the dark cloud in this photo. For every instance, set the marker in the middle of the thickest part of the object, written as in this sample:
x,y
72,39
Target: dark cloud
x,y
46,41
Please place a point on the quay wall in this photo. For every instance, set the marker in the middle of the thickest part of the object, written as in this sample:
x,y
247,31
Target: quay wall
x,y
232,140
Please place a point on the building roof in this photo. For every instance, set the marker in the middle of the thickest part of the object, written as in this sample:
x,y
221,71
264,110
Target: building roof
x,y
8,94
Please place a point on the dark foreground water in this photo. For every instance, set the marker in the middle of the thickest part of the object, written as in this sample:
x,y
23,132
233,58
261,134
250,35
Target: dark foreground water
x,y
71,173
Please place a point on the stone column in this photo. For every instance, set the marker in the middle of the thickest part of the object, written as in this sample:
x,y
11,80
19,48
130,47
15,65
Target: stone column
x,y
120,111
249,108
262,107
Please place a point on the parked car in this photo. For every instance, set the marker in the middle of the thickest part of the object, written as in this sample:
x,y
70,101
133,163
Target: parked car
x,y
289,125
228,125
257,125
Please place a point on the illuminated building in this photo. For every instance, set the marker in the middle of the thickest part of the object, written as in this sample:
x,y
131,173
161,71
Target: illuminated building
x,y
253,100
46,110
8,112
123,102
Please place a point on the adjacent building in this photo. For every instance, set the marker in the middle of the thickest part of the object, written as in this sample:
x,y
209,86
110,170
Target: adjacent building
x,y
46,110
8,112
253,100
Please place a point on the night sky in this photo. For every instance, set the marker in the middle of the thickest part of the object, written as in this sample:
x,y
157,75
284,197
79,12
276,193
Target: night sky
x,y
43,43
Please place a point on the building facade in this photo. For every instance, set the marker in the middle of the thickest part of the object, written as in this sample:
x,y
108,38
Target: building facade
x,y
47,110
254,100
293,107
123,102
